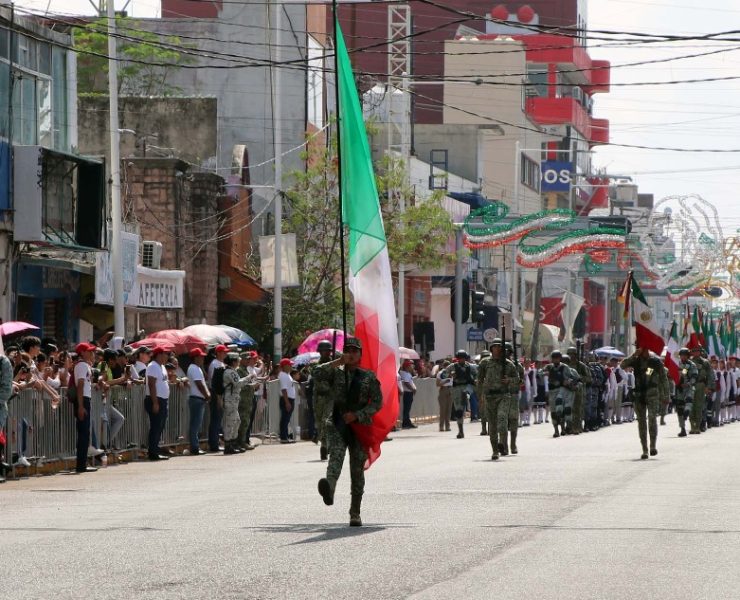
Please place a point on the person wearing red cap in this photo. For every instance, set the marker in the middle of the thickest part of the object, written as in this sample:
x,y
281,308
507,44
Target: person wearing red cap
x,y
157,400
198,399
217,402
287,398
83,388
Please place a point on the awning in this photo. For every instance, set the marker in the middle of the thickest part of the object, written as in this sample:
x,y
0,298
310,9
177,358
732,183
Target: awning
x,y
54,262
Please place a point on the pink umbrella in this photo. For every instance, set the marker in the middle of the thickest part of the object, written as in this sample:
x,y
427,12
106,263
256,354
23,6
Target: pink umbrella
x,y
183,341
13,327
312,341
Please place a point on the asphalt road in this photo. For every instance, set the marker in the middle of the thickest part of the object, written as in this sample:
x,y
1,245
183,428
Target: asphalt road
x,y
575,517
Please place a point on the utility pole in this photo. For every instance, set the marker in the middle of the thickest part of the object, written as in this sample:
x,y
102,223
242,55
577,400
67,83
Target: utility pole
x,y
514,265
399,136
277,291
116,261
458,289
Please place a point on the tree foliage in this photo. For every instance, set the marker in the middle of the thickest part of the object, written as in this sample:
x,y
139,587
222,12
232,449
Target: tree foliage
x,y
415,238
141,54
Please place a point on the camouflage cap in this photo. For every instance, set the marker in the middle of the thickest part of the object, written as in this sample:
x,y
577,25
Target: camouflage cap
x,y
353,342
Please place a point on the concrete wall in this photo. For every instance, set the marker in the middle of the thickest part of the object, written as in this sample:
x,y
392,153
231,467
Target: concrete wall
x,y
185,128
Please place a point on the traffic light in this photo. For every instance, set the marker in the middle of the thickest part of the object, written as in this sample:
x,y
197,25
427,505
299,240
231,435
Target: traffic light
x,y
465,301
477,302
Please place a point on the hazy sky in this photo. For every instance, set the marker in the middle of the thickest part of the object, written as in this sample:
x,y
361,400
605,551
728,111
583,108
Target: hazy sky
x,y
689,115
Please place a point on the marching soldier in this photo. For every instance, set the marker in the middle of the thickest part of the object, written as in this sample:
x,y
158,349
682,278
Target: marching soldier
x,y
651,387
705,378
512,413
685,388
354,397
485,360
561,382
584,372
501,381
320,391
462,376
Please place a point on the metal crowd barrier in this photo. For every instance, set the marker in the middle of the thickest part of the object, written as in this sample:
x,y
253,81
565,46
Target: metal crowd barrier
x,y
44,433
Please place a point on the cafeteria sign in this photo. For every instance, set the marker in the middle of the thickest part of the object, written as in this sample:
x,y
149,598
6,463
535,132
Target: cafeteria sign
x,y
159,289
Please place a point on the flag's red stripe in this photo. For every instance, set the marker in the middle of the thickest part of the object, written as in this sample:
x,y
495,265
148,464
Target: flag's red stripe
x,y
647,338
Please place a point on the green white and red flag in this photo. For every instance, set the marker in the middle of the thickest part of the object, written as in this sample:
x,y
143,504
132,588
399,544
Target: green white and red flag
x,y
647,331
369,265
696,337
671,354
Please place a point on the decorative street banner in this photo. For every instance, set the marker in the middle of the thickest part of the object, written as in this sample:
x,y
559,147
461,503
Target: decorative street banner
x,y
556,176
289,270
104,272
159,289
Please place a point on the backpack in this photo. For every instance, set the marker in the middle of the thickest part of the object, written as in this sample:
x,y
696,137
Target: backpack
x,y
217,381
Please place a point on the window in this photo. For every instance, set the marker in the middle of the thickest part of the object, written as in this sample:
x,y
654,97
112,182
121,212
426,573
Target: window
x,y
59,98
315,83
530,173
537,80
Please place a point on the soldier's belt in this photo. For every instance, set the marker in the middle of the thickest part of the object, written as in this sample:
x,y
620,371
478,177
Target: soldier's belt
x,y
496,390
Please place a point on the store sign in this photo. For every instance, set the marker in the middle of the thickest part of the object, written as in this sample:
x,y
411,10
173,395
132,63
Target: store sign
x,y
104,271
475,335
159,289
556,176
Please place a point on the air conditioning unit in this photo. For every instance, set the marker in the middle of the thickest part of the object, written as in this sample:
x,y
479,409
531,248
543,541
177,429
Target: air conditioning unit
x,y
151,255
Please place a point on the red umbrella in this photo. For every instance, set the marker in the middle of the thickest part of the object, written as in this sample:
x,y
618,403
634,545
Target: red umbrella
x,y
181,342
151,342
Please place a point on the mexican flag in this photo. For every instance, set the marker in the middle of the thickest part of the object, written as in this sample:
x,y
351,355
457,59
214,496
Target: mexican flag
x,y
369,266
714,346
646,329
671,354
696,337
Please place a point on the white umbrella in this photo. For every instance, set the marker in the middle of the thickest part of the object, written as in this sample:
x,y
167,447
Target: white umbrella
x,y
407,354
609,351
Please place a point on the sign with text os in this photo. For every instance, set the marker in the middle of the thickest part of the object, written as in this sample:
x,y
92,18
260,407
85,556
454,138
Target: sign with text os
x,y
556,176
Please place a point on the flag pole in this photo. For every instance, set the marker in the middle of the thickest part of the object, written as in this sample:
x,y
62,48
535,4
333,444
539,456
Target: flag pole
x,y
339,171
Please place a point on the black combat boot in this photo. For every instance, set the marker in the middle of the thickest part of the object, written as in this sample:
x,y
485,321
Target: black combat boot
x,y
514,449
326,489
323,453
354,511
460,433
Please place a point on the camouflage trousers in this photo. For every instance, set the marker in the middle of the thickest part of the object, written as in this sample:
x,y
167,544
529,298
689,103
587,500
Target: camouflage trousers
x,y
459,402
646,409
684,404
338,447
578,409
697,409
561,406
320,417
246,402
497,412
230,420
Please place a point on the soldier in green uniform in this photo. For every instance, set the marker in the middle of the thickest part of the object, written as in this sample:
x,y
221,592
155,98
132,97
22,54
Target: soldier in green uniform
x,y
246,401
578,399
561,380
501,380
705,378
320,390
651,387
485,360
462,376
685,388
512,412
354,397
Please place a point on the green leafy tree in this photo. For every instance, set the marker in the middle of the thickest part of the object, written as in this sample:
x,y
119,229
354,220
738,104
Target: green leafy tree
x,y
142,55
415,238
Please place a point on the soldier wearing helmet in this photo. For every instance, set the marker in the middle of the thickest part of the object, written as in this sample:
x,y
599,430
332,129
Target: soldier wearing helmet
x,y
561,383
578,398
500,383
320,390
462,376
688,374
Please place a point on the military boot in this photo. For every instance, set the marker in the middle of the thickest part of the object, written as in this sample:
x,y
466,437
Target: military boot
x,y
323,452
460,433
682,433
514,449
484,427
354,511
557,431
644,452
326,489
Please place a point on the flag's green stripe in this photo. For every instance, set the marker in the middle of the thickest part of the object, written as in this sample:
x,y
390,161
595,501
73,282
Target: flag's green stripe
x,y
360,206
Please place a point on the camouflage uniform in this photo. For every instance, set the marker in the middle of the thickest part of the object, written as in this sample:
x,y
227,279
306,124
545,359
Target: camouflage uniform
x,y
562,382
232,396
685,391
584,372
462,376
482,367
498,394
651,388
364,399
246,403
705,377
321,392
512,410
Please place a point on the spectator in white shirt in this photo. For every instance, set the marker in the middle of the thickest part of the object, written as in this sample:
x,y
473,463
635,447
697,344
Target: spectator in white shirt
x,y
156,401
199,397
83,388
287,398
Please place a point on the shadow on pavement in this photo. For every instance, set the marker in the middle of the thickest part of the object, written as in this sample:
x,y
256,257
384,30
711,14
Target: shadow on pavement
x,y
325,532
